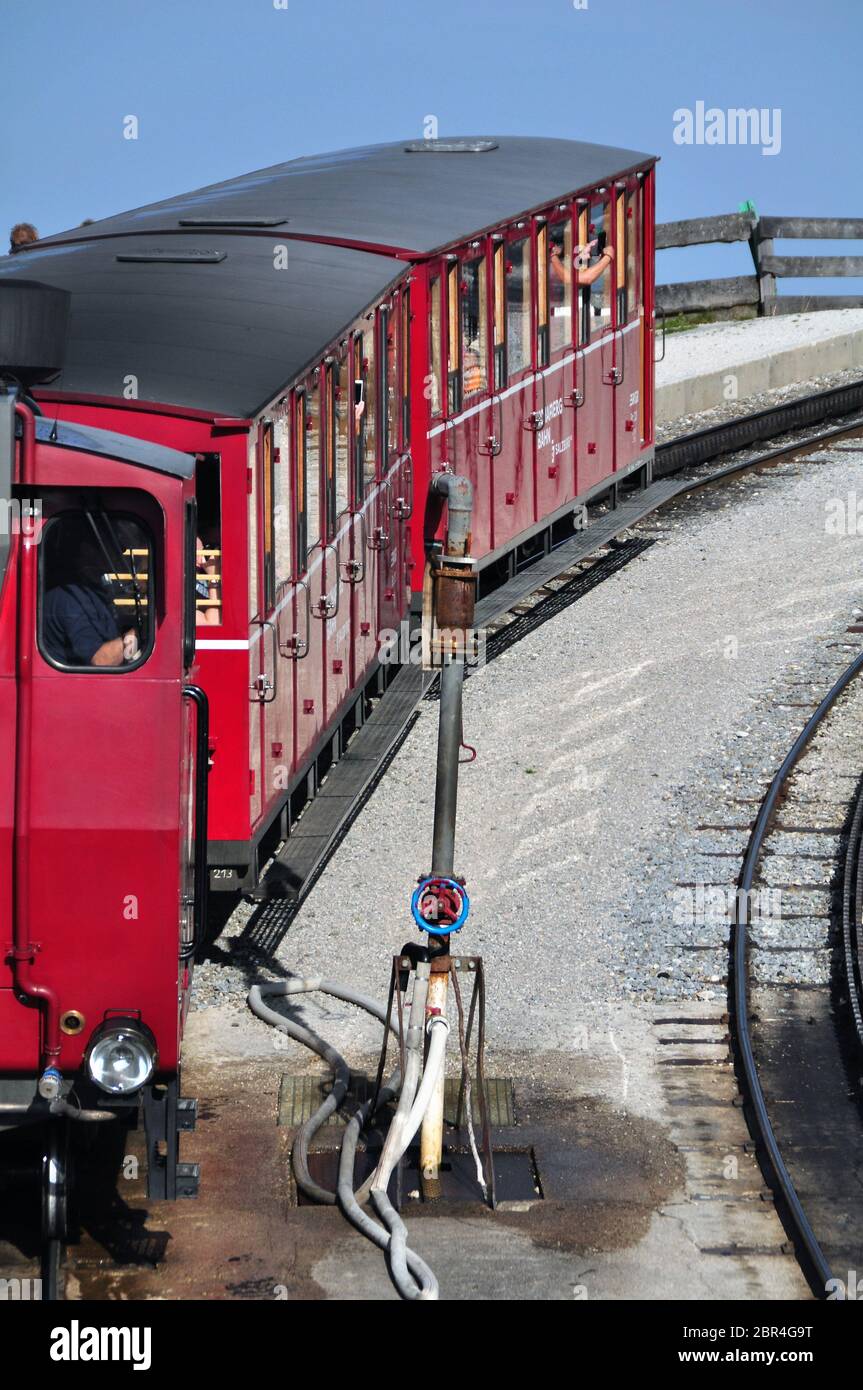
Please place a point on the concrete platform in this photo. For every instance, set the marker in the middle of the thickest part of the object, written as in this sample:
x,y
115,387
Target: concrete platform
x,y
717,363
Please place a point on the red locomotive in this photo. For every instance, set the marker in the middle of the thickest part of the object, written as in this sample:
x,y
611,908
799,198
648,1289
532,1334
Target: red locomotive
x,y
260,380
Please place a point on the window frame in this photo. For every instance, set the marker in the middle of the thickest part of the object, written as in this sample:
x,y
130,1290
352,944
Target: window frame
x,y
568,221
452,337
301,551
153,591
515,235
474,255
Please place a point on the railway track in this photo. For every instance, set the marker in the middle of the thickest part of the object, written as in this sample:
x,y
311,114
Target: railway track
x,y
797,1047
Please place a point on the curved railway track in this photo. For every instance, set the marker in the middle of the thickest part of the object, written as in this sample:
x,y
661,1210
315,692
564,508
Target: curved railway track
x,y
797,1046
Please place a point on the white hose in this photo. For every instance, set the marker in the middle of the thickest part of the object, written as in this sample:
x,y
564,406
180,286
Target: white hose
x,y
398,1246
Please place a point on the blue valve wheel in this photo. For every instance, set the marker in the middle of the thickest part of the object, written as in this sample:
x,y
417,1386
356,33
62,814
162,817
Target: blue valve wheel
x,y
453,905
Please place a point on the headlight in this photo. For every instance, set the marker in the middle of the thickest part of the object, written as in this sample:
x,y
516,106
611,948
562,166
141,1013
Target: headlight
x,y
122,1058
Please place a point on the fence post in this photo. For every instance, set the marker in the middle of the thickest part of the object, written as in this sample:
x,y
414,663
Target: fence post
x,y
762,246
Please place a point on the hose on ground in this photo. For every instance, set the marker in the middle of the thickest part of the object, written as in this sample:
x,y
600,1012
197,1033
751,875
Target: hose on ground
x,y
411,1275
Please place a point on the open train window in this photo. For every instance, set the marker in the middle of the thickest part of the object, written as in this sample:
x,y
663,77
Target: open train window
x,y
282,520
406,367
313,461
342,415
96,590
267,464
390,338
560,284
518,306
633,259
329,421
542,268
435,372
300,479
474,327
366,407
600,292
499,315
208,541
453,338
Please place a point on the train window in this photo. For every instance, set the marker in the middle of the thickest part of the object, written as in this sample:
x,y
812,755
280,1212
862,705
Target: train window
x,y
580,258
342,412
542,271
390,338
560,284
633,228
300,488
474,336
434,379
96,591
453,340
267,465
499,273
208,561
518,307
282,521
329,419
601,290
368,416
406,367
313,461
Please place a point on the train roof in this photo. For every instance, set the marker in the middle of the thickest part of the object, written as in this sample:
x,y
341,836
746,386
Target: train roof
x,y
88,439
412,196
183,295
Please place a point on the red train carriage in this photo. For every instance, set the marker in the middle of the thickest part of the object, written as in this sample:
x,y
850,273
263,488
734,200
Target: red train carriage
x,y
324,335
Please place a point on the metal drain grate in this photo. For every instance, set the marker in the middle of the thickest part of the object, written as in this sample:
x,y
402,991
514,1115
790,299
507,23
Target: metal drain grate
x,y
300,1096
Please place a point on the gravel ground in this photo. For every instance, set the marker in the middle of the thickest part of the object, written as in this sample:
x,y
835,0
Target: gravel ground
x,y
606,740
714,346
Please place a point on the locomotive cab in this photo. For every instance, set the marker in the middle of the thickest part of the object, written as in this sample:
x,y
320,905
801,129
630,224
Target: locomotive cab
x,y
103,786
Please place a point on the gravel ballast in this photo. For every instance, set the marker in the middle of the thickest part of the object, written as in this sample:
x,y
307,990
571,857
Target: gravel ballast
x,y
606,740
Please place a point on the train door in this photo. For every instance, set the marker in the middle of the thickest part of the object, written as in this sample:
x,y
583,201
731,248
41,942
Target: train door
x,y
629,351
554,434
98,823
368,529
596,351
514,498
316,581
338,529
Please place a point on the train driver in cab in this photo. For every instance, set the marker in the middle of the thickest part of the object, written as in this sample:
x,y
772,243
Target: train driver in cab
x,y
80,624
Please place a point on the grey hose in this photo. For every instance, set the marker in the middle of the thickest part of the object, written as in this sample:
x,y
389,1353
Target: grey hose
x,y
412,1276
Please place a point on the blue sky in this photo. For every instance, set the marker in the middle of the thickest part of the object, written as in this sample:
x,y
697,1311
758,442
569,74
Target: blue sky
x,y
221,87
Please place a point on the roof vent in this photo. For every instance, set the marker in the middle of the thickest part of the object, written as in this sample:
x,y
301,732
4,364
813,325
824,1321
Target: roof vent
x,y
158,256
450,146
33,320
233,221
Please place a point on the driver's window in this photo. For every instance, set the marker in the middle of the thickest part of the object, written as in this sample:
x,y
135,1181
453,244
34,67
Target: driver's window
x,y
96,610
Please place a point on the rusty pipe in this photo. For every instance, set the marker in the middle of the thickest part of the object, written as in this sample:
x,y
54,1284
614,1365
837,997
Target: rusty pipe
x,y
458,492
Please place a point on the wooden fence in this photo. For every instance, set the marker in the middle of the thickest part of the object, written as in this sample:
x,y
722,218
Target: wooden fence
x,y
757,293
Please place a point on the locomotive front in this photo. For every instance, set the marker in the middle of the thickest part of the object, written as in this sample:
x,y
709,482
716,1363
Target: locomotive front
x,y
103,782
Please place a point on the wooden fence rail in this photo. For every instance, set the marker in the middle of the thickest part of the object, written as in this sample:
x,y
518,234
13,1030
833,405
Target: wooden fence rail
x,y
758,291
